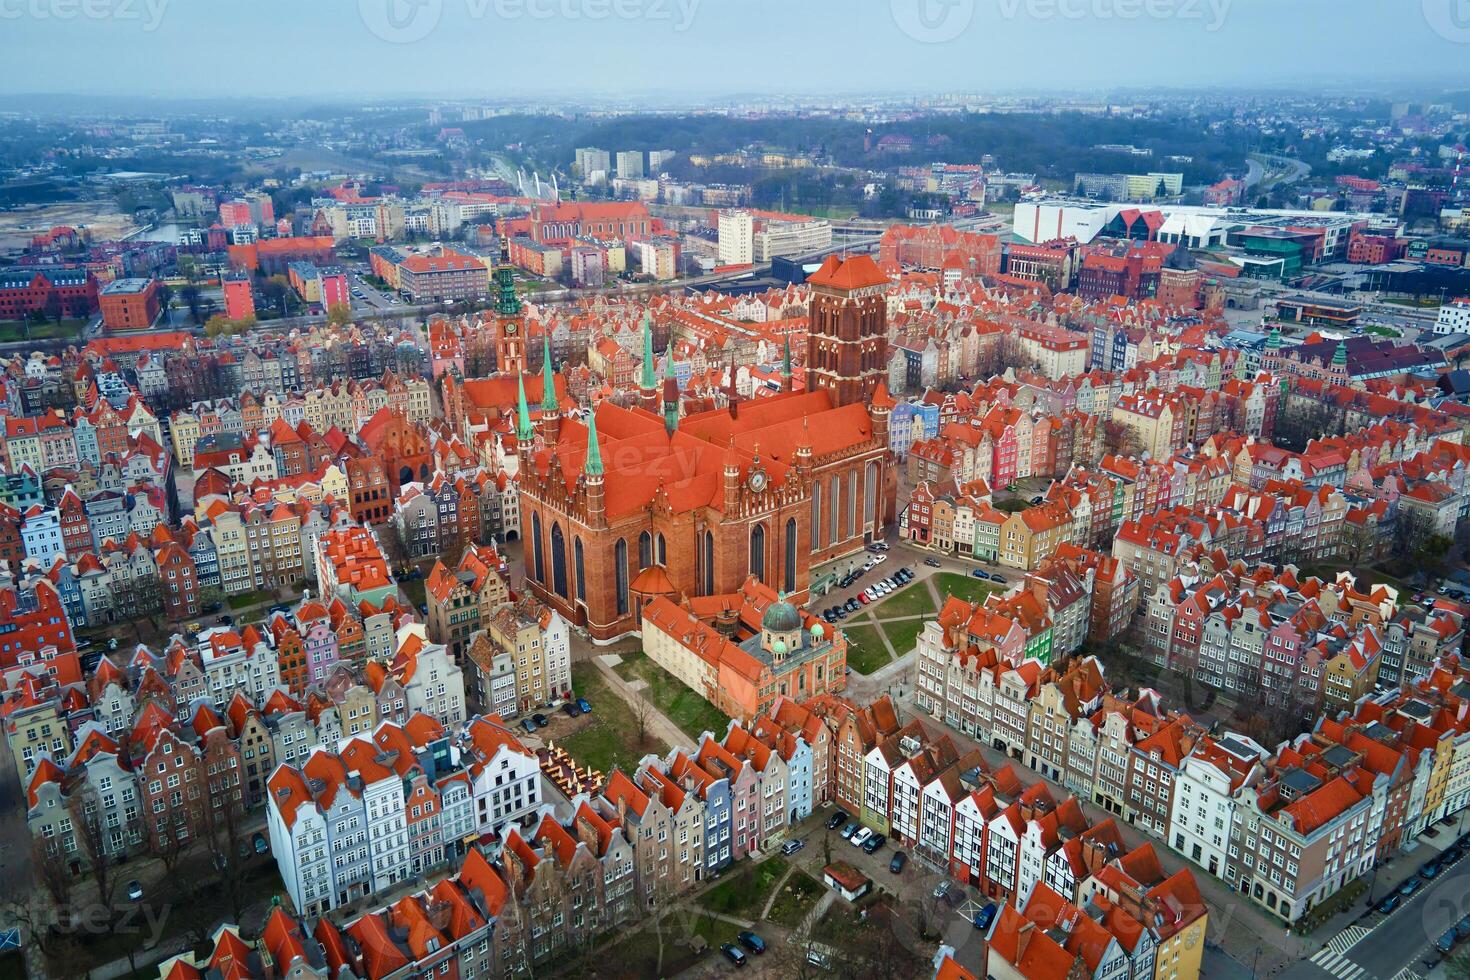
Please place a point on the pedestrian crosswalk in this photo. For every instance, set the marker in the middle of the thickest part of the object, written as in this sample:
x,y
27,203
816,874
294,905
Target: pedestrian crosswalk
x,y
1338,965
1407,974
1347,939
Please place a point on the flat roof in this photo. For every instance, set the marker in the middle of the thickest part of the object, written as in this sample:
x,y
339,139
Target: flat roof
x,y
126,286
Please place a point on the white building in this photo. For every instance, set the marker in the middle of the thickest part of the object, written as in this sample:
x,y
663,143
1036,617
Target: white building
x,y
791,238
630,164
1203,813
1454,317
505,775
737,238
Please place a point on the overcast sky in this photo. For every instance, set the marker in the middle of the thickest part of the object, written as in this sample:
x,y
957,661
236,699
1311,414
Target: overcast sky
x,y
485,48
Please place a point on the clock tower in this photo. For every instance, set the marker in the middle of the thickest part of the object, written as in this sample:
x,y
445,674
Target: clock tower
x,y
510,325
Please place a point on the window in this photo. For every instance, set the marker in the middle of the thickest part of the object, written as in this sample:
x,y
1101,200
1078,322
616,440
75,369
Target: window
x,y
558,560
620,562
852,480
834,504
758,552
580,570
645,550
816,516
540,568
790,569
708,561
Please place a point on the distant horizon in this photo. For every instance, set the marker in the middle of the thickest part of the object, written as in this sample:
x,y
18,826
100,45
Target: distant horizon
x,y
685,52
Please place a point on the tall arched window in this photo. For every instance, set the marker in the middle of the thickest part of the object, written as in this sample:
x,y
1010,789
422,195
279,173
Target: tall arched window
x,y
791,555
645,551
620,559
581,569
663,550
816,516
536,548
851,504
558,560
709,564
870,497
834,504
758,551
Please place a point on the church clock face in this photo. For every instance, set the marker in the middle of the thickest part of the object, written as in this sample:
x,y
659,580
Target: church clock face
x,y
510,329
757,481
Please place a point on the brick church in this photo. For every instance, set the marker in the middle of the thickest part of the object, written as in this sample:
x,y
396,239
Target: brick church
x,y
627,504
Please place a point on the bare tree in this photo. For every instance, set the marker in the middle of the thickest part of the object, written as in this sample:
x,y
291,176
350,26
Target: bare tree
x,y
50,868
166,842
642,714
93,838
224,840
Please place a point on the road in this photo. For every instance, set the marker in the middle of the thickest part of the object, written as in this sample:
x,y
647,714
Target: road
x,y
1399,945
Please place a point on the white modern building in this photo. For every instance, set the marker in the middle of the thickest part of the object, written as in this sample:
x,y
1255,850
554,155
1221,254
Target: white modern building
x,y
1454,317
737,237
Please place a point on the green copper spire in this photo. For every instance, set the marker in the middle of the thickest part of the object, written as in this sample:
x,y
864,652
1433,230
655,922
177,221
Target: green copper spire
x,y
786,359
507,303
524,432
548,383
593,466
1339,356
649,380
1273,341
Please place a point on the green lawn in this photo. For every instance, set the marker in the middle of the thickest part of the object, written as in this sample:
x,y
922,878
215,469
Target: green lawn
x,y
800,893
904,634
611,739
690,711
865,650
416,589
11,330
241,600
966,587
913,600
745,889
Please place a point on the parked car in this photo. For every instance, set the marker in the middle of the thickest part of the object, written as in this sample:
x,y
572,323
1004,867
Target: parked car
x,y
878,559
792,846
1389,904
751,941
997,577
258,841
1430,870
985,916
850,829
528,725
135,891
585,705
943,888
933,563
1462,928
871,845
861,837
571,709
1446,942
1411,886
837,819
541,720
980,573
896,863
733,953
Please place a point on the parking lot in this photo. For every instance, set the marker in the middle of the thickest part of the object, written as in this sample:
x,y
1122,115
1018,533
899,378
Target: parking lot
x,y
882,624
